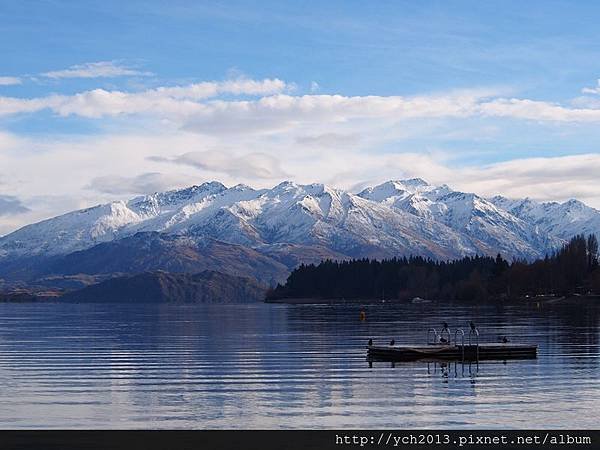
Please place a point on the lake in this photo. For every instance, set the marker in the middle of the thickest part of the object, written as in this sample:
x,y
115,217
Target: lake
x,y
288,366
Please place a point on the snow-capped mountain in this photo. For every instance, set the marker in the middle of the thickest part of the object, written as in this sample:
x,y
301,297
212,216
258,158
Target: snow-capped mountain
x,y
313,215
395,218
563,220
494,228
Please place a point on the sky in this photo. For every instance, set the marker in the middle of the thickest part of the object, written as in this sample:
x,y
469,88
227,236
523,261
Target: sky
x,y
103,101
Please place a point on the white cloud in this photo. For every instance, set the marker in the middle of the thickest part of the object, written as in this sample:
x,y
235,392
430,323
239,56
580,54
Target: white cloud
x,y
174,103
195,108
592,90
13,105
9,81
279,113
537,110
548,179
586,101
207,89
100,69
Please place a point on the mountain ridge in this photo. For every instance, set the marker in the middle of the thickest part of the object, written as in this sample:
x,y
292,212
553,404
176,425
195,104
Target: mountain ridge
x,y
263,233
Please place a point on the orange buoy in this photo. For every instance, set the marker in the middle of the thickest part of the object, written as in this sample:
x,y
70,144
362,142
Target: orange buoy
x,y
363,316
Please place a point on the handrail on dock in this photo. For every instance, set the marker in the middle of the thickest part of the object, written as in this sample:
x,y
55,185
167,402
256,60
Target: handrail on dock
x,y
435,336
475,332
462,341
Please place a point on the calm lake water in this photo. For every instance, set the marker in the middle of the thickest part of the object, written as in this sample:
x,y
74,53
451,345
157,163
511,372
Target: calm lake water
x,y
280,366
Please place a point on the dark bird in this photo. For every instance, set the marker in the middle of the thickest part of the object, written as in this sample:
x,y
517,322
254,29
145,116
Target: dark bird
x,y
445,325
473,327
370,342
505,340
392,342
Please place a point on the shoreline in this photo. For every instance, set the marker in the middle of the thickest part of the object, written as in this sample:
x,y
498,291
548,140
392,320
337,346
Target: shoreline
x,y
539,300
546,300
337,301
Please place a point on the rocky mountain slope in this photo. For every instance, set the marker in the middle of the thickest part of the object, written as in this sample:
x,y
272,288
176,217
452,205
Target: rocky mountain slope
x,y
162,287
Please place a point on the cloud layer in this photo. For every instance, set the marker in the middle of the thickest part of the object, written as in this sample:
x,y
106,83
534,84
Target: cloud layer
x,y
260,132
254,165
10,205
177,102
195,108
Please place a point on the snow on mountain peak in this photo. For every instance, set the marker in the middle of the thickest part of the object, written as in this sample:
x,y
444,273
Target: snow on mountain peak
x,y
395,217
177,196
464,212
285,186
575,205
242,187
413,182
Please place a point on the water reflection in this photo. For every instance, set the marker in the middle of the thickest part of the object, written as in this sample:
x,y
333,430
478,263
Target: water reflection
x,y
277,366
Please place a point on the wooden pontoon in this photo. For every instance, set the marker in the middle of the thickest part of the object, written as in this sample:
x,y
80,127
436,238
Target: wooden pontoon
x,y
452,352
459,350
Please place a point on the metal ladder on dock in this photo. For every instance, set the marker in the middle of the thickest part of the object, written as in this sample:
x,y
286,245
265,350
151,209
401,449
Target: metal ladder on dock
x,y
473,337
436,337
474,332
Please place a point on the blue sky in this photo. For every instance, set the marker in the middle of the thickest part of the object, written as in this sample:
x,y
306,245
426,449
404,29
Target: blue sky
x,y
384,48
107,100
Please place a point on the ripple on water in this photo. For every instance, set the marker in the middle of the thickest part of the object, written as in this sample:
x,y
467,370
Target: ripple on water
x,y
277,366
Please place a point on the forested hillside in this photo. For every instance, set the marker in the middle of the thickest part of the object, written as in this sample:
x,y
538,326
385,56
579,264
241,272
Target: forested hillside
x,y
573,269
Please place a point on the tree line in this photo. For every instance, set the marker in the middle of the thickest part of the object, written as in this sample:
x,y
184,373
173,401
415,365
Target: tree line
x,y
573,269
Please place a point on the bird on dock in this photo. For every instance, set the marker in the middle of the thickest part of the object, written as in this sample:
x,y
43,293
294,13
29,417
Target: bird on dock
x,y
370,343
392,342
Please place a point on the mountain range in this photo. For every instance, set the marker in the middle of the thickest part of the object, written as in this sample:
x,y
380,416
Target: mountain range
x,y
264,233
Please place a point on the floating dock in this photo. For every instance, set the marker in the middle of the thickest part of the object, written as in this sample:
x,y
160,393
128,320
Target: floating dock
x,y
458,352
442,346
